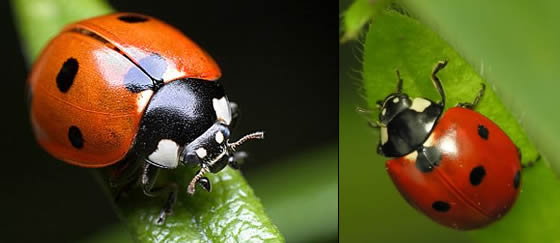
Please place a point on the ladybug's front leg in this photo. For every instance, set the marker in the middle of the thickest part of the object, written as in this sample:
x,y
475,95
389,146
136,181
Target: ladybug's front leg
x,y
475,101
437,83
148,179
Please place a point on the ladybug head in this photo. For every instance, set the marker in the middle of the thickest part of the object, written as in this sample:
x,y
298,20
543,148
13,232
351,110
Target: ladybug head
x,y
213,151
393,105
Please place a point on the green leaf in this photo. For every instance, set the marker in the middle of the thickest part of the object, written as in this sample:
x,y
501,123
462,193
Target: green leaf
x,y
395,41
301,198
358,15
514,45
230,213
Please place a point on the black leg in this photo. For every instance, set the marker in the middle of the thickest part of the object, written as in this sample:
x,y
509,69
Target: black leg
x,y
475,101
234,113
236,160
124,172
375,124
399,82
372,124
199,179
148,179
530,163
437,83
204,182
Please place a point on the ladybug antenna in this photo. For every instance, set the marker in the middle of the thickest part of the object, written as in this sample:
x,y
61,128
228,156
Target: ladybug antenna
x,y
199,174
250,136
399,82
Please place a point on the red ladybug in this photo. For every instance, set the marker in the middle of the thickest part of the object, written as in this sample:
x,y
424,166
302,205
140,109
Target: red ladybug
x,y
457,167
129,87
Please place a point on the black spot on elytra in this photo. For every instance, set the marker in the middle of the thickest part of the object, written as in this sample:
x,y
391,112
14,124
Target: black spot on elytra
x,y
75,137
477,175
428,158
441,206
517,179
483,132
133,18
66,74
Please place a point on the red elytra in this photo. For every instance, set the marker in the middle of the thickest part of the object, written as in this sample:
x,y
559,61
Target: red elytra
x,y
455,166
477,180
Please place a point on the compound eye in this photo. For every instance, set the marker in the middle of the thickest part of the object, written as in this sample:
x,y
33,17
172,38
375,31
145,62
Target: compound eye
x,y
191,159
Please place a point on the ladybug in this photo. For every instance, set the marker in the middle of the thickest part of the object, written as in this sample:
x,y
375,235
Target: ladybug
x,y
128,87
457,167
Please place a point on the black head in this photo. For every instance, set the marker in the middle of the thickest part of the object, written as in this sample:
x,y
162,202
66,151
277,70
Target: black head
x,y
393,105
405,123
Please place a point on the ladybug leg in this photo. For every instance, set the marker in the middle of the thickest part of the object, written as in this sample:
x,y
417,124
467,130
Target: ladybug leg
x,y
399,86
437,83
528,164
372,124
123,176
200,179
476,99
125,172
148,179
237,159
234,113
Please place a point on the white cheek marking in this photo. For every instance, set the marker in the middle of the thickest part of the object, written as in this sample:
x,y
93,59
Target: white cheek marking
x,y
384,111
384,135
396,100
201,152
165,154
143,99
221,107
219,137
419,104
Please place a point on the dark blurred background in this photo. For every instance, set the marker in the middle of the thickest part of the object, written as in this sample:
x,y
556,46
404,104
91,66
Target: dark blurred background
x,y
279,62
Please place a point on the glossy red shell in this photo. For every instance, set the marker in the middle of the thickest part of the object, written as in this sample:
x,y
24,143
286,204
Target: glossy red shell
x,y
97,102
471,206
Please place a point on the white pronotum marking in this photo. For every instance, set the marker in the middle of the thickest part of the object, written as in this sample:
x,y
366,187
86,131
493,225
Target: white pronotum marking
x,y
419,104
201,152
143,99
221,107
219,137
384,135
411,156
396,100
166,154
384,111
